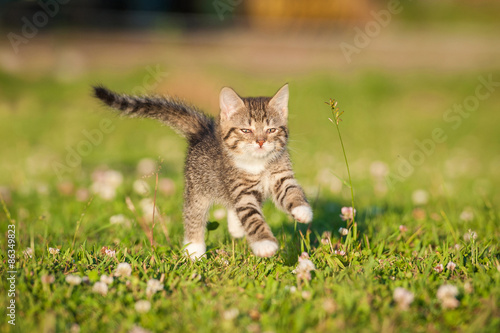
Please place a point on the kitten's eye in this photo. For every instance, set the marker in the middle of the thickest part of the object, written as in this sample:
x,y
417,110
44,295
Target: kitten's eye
x,y
271,130
246,131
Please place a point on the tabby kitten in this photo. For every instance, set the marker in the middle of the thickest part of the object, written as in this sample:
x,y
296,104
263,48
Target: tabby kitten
x,y
238,160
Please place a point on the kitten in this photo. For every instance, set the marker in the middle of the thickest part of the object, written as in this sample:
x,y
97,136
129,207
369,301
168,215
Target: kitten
x,y
238,160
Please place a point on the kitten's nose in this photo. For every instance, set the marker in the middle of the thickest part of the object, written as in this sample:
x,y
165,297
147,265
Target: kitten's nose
x,y
260,142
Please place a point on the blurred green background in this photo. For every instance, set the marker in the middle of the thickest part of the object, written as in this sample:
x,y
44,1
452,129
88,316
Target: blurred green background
x,y
409,63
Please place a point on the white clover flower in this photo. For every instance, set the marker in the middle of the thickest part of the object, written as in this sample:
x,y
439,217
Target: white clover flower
x,y
110,253
119,219
153,286
379,169
339,252
230,314
447,291
105,183
451,266
73,280
343,231
403,298
220,214
348,213
306,294
146,166
47,279
142,306
147,207
447,294
470,235
100,288
106,279
403,228
467,215
420,197
166,186
53,250
439,268
28,253
123,269
141,187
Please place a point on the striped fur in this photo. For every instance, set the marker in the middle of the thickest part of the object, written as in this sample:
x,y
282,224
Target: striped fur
x,y
238,160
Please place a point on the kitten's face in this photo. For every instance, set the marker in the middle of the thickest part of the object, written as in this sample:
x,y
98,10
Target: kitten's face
x,y
254,128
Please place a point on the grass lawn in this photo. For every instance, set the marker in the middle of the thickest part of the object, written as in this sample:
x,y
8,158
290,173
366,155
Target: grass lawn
x,y
425,180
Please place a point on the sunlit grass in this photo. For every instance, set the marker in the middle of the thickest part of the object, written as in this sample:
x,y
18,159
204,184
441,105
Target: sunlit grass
x,y
404,234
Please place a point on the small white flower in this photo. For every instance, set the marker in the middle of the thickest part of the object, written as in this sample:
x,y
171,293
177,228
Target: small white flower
x,y
110,253
470,235
73,280
403,228
146,166
138,329
467,215
420,197
379,169
106,279
123,269
305,265
348,213
141,187
119,219
47,279
403,298
166,186
439,268
220,214
230,314
306,294
447,294
153,286
100,288
339,252
142,306
148,206
447,291
28,253
53,250
343,231
451,266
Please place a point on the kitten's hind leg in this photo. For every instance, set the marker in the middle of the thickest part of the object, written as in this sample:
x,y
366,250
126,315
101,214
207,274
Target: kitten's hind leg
x,y
195,221
234,224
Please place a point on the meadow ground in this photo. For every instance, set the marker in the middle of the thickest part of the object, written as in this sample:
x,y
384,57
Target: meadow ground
x,y
78,183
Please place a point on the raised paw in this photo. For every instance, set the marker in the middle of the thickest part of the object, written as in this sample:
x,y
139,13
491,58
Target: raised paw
x,y
303,214
195,251
264,248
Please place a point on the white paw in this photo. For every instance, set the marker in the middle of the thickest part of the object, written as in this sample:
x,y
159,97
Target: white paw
x,y
234,225
303,214
195,251
264,248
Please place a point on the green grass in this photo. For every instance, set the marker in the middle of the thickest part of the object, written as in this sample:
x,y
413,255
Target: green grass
x,y
384,114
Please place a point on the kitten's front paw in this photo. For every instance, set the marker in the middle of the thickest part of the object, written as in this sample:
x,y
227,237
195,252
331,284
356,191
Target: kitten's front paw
x,y
303,214
195,251
264,248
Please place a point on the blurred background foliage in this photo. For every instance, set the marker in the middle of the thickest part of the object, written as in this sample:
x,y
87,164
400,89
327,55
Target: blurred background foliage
x,y
394,90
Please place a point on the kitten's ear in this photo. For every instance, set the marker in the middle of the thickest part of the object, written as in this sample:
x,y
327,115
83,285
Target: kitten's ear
x,y
280,101
229,102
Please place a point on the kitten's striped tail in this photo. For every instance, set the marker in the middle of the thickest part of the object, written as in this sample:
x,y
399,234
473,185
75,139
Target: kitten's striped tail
x,y
183,118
